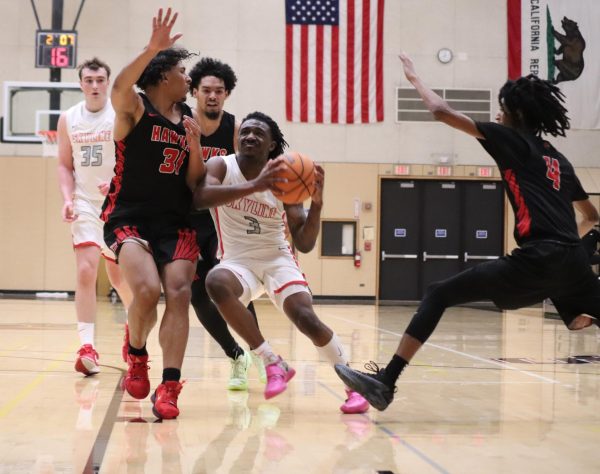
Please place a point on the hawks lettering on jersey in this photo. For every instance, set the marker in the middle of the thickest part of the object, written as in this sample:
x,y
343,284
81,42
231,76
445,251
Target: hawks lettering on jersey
x,y
210,151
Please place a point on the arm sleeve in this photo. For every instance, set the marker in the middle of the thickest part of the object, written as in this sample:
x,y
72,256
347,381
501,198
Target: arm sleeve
x,y
506,146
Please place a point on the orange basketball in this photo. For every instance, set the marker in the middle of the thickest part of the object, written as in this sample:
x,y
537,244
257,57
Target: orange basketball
x,y
300,175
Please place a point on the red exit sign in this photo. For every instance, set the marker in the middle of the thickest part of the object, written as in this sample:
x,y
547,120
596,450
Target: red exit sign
x,y
485,171
443,171
402,170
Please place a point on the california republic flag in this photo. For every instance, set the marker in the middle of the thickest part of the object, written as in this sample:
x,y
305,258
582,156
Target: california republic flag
x,y
559,40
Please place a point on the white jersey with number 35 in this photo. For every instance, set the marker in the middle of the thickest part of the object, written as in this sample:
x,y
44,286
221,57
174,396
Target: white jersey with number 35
x,y
91,136
250,226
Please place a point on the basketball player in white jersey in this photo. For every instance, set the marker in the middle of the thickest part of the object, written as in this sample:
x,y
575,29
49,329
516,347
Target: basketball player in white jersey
x,y
86,158
255,257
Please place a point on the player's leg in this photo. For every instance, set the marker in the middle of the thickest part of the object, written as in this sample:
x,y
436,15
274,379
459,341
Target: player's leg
x,y
226,289
209,315
231,287
117,281
298,307
497,281
176,254
140,272
87,257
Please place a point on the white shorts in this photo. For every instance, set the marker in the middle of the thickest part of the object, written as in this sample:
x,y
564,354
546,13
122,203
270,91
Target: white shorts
x,y
88,229
277,274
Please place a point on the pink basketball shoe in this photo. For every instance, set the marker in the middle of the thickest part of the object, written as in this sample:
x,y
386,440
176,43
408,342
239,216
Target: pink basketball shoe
x,y
278,375
355,403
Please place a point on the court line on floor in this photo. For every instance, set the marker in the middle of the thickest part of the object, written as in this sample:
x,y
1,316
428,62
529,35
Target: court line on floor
x,y
464,354
381,426
108,423
24,392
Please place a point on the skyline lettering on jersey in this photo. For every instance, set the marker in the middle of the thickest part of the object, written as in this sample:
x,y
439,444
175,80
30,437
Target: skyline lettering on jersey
x,y
253,207
166,135
90,137
210,151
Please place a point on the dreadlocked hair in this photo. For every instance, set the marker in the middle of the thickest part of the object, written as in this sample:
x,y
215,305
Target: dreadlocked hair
x,y
213,67
276,133
536,105
163,62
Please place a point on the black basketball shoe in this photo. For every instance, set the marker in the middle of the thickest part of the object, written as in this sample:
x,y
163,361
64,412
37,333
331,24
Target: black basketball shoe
x,y
370,386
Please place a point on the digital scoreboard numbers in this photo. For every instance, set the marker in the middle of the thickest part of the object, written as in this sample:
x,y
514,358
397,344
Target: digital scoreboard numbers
x,y
56,49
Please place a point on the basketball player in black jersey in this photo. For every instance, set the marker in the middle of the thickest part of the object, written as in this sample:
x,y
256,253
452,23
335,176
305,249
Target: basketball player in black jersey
x,y
211,84
159,163
542,188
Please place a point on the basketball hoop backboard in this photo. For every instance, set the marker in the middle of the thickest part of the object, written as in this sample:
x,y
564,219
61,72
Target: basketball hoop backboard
x,y
26,111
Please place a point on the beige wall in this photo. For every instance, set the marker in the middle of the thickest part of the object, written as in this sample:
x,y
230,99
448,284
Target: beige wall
x,y
35,245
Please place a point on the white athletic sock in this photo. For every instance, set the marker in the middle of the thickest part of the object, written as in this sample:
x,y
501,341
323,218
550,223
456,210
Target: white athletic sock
x,y
86,333
333,351
265,352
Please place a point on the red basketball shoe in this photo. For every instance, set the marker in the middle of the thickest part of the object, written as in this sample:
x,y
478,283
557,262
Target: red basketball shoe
x,y
136,381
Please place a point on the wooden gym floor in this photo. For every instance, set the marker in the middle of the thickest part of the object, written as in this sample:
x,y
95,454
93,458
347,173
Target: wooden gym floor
x,y
490,393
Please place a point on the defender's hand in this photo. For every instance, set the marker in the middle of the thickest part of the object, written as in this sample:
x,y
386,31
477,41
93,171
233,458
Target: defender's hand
x,y
161,31
409,67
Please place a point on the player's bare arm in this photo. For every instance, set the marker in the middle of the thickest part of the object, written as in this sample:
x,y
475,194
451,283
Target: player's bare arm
x,y
196,168
305,227
128,105
212,193
436,105
66,179
589,214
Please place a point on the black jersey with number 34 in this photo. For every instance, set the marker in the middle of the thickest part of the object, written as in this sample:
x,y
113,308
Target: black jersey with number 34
x,y
150,170
540,183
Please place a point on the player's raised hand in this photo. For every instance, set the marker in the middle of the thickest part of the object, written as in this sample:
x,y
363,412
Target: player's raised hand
x,y
317,195
161,31
192,132
409,67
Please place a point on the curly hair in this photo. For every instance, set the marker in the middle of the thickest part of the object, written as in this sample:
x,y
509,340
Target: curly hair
x,y
163,62
536,105
93,64
216,68
276,133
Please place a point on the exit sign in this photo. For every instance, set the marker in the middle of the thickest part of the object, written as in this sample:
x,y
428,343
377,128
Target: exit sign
x,y
443,171
402,170
485,171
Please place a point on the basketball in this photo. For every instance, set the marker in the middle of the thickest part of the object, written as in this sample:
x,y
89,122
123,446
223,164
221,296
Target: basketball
x,y
300,175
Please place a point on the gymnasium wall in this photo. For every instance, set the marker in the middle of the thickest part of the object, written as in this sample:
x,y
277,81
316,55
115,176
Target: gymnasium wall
x,y
35,251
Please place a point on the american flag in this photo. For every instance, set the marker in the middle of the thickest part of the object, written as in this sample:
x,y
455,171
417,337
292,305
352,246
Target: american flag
x,y
334,61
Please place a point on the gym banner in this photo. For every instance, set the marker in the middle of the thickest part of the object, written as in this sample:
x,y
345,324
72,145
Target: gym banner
x,y
559,40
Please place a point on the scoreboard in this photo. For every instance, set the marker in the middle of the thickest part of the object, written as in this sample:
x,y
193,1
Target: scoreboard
x,y
56,49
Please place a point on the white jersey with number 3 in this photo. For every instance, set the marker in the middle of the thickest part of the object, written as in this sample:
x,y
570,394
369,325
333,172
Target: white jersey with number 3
x,y
91,136
250,226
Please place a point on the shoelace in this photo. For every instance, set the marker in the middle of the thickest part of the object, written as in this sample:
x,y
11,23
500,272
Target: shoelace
x,y
138,367
84,351
172,391
373,367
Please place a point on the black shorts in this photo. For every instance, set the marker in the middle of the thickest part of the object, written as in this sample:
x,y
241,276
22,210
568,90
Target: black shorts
x,y
167,239
540,270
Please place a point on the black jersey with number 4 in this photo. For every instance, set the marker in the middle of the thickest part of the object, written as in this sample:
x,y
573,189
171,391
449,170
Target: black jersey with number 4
x,y
540,183
150,170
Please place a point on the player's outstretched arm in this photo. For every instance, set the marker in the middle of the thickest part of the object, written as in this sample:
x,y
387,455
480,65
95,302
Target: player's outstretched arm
x,y
128,105
305,227
66,178
436,105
